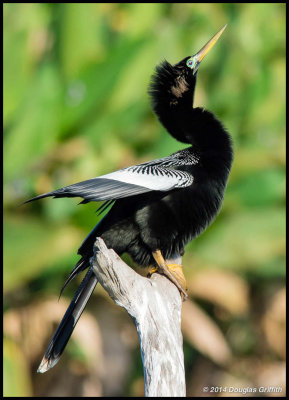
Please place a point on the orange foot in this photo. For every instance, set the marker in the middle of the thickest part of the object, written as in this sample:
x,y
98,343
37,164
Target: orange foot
x,y
174,272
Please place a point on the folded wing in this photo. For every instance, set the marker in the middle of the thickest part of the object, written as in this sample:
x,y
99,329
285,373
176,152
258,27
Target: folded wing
x,y
126,182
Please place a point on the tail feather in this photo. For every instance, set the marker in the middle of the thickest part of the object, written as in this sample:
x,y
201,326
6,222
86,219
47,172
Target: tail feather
x,y
68,323
41,196
79,267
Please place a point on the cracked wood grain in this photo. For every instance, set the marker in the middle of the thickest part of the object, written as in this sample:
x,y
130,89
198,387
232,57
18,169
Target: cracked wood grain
x,y
155,307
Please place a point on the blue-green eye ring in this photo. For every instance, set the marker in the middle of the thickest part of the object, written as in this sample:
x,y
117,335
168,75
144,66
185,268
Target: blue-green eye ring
x,y
191,62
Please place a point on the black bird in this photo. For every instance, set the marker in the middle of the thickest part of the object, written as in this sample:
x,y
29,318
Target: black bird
x,y
161,205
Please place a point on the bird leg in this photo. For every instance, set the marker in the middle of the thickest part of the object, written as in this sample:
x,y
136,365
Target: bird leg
x,y
174,272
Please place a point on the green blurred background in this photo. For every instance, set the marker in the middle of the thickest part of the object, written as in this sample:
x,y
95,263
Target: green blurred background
x,y
76,106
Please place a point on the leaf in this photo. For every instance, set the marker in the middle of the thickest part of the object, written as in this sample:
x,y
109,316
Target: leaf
x,y
258,189
204,334
246,240
30,246
26,38
97,82
274,323
16,378
36,128
224,288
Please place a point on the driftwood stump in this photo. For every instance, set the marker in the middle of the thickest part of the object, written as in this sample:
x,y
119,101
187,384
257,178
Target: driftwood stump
x,y
155,307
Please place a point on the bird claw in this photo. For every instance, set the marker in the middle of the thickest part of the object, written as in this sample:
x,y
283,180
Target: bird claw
x,y
174,272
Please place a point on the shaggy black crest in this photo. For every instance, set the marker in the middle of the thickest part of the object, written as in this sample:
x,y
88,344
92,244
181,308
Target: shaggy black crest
x,y
162,204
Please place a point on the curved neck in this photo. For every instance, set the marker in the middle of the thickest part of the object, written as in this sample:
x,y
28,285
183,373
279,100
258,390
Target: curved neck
x,y
172,100
195,126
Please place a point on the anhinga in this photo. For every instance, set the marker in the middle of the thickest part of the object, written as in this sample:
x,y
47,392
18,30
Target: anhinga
x,y
161,205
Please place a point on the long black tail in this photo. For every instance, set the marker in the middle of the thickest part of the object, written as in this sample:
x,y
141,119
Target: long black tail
x,y
67,325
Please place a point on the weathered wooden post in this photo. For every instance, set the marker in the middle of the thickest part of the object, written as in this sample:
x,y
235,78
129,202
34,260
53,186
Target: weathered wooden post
x,y
155,306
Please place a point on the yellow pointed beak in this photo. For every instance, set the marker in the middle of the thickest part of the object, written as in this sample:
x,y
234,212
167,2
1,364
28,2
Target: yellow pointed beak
x,y
205,49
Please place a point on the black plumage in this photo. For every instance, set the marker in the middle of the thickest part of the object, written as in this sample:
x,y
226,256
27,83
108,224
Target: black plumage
x,y
161,204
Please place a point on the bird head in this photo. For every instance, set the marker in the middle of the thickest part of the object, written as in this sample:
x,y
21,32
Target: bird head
x,y
188,67
174,85
172,90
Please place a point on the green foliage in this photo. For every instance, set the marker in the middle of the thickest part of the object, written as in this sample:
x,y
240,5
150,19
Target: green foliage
x,y
16,377
76,106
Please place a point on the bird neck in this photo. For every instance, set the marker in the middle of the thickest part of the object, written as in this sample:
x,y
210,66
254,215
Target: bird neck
x,y
172,101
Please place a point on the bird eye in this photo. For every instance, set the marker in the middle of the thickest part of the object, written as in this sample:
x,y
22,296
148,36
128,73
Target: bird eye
x,y
191,63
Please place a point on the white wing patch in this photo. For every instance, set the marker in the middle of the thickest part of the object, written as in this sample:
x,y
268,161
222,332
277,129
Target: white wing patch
x,y
156,175
152,177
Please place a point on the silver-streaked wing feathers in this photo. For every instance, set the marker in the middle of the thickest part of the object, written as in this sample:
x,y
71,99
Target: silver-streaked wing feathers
x,y
151,177
125,183
156,175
